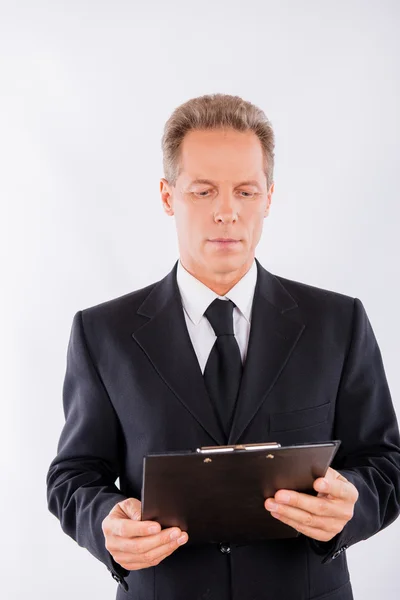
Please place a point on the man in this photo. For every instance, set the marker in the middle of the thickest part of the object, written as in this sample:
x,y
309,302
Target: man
x,y
223,351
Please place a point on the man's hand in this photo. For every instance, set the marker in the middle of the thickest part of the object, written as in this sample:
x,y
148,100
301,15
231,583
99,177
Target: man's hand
x,y
136,544
319,517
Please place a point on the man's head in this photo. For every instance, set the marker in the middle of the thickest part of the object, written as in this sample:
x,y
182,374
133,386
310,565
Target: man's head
x,y
218,153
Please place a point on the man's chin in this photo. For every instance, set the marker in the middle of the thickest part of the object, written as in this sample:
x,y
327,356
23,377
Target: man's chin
x,y
225,264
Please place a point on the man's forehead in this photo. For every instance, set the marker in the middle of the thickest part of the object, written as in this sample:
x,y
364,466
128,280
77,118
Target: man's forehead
x,y
217,162
235,144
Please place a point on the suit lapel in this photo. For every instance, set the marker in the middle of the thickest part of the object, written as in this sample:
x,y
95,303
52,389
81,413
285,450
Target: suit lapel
x,y
166,341
273,337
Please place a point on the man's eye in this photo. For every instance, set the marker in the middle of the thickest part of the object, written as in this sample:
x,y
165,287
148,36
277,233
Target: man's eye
x,y
206,194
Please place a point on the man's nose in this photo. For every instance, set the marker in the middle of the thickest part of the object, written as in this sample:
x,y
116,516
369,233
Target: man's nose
x,y
225,208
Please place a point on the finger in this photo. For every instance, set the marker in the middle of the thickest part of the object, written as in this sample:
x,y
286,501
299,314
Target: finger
x,y
127,528
152,559
331,474
304,518
128,553
130,507
320,483
339,488
143,545
312,532
315,505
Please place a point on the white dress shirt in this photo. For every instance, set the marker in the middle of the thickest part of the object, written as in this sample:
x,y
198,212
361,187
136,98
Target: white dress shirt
x,y
197,297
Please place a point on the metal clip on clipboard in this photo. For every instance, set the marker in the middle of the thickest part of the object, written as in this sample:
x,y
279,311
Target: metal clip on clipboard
x,y
233,447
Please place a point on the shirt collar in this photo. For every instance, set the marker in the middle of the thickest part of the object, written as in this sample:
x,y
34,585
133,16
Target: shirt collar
x,y
197,297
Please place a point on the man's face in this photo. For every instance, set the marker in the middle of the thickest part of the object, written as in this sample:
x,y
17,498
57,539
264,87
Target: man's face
x,y
221,193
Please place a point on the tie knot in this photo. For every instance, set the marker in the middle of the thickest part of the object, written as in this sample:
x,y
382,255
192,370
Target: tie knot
x,y
220,315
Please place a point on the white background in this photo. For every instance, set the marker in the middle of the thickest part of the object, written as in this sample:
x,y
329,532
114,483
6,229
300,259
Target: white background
x,y
85,90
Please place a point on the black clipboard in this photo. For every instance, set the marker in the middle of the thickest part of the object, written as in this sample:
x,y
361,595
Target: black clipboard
x,y
217,493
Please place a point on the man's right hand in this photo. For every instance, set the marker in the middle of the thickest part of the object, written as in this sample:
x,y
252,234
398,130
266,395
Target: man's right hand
x,y
130,541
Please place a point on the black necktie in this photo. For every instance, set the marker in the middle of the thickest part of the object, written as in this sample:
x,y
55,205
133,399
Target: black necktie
x,y
223,371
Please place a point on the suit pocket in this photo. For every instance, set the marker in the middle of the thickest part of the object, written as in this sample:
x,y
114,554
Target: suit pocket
x,y
297,419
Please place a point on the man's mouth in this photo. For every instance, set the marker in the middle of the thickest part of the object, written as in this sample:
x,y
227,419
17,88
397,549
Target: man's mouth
x,y
224,240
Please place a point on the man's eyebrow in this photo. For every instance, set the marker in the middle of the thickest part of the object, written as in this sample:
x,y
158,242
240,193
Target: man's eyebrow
x,y
250,182
210,181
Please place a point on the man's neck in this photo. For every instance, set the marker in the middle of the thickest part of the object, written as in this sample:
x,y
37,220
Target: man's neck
x,y
220,283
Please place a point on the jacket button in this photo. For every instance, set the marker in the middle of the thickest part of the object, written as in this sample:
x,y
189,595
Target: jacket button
x,y
225,548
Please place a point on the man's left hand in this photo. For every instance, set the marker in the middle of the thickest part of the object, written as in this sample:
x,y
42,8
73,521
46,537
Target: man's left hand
x,y
319,517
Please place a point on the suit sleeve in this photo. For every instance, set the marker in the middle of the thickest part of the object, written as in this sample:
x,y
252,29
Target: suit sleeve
x,y
369,455
81,488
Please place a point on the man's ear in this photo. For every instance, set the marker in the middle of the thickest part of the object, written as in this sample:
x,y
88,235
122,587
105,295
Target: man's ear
x,y
269,199
166,196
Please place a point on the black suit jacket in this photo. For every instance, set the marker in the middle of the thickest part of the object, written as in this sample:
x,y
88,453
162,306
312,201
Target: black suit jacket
x,y
133,385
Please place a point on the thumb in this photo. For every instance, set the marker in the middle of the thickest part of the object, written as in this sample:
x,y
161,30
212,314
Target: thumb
x,y
331,474
130,507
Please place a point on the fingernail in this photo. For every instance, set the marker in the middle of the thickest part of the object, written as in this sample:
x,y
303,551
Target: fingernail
x,y
272,506
153,529
182,539
284,497
323,485
175,534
